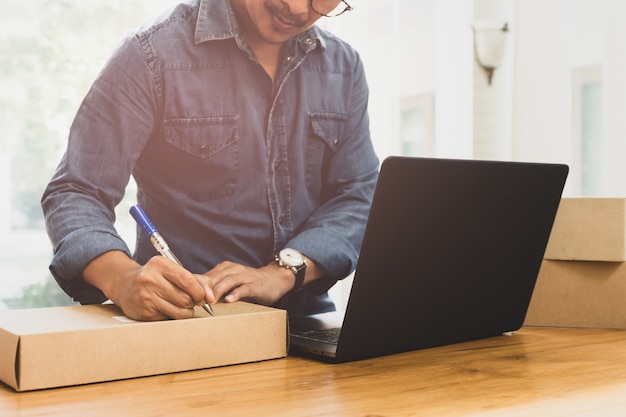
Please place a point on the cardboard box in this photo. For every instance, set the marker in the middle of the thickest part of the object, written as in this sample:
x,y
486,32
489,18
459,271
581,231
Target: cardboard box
x,y
579,294
589,229
62,346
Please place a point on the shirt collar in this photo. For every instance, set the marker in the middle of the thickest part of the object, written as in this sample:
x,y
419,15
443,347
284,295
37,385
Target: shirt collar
x,y
217,21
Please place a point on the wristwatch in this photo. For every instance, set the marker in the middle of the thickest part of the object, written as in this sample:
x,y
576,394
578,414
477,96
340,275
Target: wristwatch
x,y
293,260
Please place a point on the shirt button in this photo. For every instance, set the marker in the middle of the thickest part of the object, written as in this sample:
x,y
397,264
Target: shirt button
x,y
308,41
281,220
289,58
276,166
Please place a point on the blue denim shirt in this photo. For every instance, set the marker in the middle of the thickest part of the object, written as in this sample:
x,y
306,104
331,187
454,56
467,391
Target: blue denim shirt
x,y
229,165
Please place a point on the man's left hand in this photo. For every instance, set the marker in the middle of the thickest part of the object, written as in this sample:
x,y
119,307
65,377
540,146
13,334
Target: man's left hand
x,y
234,282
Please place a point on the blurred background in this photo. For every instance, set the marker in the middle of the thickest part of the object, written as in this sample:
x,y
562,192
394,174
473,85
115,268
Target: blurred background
x,y
524,80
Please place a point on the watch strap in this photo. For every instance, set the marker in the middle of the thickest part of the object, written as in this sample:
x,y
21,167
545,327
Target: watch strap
x,y
299,272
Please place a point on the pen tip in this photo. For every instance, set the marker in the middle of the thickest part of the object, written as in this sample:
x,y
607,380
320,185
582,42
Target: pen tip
x,y
208,309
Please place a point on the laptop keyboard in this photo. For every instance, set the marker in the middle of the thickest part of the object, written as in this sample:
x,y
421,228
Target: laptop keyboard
x,y
324,335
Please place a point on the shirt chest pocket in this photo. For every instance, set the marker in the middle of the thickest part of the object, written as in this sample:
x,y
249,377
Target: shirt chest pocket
x,y
205,156
326,137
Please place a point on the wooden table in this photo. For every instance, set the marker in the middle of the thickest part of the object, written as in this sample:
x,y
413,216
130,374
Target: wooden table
x,y
535,372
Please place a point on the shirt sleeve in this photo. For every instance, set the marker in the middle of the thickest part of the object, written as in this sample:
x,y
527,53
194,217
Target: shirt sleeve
x,y
333,234
107,135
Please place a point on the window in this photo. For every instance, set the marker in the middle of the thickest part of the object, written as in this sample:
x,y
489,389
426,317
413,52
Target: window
x,y
417,125
587,129
51,52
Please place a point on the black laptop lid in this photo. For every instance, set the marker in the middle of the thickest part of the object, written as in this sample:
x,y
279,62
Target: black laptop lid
x,y
451,253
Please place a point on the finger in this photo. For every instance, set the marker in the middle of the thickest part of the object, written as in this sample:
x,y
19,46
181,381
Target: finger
x,y
228,283
149,295
237,294
173,311
149,306
209,295
222,271
225,277
160,308
185,289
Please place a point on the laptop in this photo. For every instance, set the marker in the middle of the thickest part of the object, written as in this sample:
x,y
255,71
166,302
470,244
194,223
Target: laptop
x,y
451,253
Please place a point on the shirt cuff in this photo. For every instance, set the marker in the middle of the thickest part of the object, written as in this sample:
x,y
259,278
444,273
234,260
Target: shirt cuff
x,y
333,252
74,253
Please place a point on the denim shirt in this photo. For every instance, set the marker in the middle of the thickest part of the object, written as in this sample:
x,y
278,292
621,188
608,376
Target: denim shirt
x,y
229,165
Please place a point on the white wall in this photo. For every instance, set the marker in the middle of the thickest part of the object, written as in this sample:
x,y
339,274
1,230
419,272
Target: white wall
x,y
454,79
418,46
412,47
555,37
614,74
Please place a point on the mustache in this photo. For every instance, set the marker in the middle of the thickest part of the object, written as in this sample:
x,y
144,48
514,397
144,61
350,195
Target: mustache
x,y
282,11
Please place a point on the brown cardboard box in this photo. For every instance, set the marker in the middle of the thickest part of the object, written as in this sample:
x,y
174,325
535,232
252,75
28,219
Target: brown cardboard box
x,y
589,229
579,294
61,346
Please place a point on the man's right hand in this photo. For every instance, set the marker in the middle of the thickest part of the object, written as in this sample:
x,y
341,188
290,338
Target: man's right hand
x,y
158,290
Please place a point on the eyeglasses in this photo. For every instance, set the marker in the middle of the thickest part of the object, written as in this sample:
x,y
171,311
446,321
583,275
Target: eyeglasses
x,y
341,8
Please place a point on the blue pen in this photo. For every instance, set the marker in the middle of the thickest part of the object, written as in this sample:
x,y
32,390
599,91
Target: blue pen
x,y
158,242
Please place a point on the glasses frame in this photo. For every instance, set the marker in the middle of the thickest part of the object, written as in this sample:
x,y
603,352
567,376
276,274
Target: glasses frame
x,y
346,9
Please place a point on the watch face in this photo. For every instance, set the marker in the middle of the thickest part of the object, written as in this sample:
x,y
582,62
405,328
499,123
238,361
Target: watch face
x,y
291,257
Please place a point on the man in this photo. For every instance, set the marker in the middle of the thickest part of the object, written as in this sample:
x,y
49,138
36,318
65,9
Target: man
x,y
246,130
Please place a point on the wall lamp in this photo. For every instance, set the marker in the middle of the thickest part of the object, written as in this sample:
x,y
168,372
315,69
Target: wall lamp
x,y
490,42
